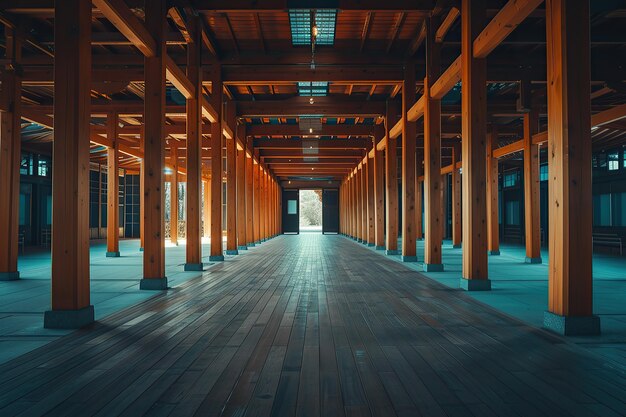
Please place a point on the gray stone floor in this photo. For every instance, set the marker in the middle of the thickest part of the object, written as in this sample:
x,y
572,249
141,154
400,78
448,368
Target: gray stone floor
x,y
114,286
521,291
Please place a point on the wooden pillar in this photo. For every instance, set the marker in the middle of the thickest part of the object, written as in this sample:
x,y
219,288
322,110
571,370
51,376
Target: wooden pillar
x,y
241,189
217,247
193,261
379,198
249,198
532,211
10,159
206,214
474,125
433,209
360,200
71,307
231,185
257,198
113,184
364,225
142,196
355,206
419,169
391,181
371,210
493,227
174,193
154,120
261,203
570,284
409,132
456,198
266,206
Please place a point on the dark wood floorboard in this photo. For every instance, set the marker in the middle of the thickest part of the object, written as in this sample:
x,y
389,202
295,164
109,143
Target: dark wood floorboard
x,y
312,326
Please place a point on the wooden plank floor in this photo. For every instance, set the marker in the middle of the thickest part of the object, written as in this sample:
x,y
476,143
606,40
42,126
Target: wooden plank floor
x,y
311,325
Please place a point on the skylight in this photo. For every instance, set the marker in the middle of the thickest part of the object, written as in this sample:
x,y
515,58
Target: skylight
x,y
300,21
313,89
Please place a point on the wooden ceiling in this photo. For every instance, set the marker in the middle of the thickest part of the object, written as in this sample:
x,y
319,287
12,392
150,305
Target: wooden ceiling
x,y
261,68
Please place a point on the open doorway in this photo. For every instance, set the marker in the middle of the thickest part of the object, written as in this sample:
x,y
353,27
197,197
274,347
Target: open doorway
x,y
311,211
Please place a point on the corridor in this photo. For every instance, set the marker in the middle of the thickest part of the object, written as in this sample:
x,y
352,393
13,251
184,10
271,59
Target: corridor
x,y
312,325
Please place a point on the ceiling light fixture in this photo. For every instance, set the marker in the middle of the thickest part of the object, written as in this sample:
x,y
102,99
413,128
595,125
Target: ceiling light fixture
x,y
311,101
310,130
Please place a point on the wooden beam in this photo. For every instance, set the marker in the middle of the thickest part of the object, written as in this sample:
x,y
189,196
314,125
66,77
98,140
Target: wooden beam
x,y
246,6
120,16
366,29
289,74
309,146
447,23
474,119
508,18
71,307
178,78
327,130
154,119
395,29
294,107
570,282
450,77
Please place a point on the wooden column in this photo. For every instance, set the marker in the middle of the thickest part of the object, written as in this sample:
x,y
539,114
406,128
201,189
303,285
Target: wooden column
x,y
391,181
570,284
532,211
249,198
493,227
261,203
231,185
193,261
409,132
241,189
206,214
142,196
456,198
266,195
379,198
364,225
257,199
433,209
174,193
217,247
113,184
474,125
154,153
71,307
10,159
371,211
419,232
360,206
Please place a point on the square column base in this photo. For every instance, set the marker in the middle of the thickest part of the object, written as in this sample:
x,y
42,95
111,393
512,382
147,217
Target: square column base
x,y
242,248
140,249
409,258
475,284
9,276
493,252
533,260
216,258
392,252
194,267
153,284
113,254
433,267
370,245
571,325
68,319
456,246
380,248
232,252
251,245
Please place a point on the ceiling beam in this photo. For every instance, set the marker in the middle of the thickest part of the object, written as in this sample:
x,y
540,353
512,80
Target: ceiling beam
x,y
232,6
311,145
120,15
327,130
323,106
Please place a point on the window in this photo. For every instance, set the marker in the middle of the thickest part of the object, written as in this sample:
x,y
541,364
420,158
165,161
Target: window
x,y
292,206
624,158
43,167
26,165
512,213
301,27
543,172
511,179
313,89
613,161
619,209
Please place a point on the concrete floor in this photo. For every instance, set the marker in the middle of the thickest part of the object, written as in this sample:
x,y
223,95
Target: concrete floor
x,y
519,290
